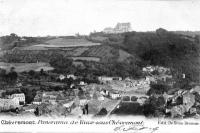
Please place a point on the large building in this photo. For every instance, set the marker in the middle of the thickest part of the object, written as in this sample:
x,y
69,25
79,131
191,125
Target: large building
x,y
119,28
7,104
20,97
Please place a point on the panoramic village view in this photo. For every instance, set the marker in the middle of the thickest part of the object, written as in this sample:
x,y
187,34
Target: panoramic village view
x,y
110,73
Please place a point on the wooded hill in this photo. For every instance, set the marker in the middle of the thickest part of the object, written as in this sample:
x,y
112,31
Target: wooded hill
x,y
177,51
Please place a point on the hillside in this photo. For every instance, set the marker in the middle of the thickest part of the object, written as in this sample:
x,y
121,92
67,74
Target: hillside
x,y
166,49
32,54
177,51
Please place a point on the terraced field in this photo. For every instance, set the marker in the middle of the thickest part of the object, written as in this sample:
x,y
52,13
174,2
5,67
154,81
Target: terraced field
x,y
87,58
104,52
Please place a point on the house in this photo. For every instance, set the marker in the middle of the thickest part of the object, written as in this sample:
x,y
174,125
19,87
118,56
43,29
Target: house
x,y
30,108
38,98
97,95
164,77
20,97
50,97
43,109
104,92
176,111
122,27
7,104
188,100
151,79
148,69
100,98
108,30
114,94
37,101
72,76
61,77
141,100
104,79
159,69
82,83
195,89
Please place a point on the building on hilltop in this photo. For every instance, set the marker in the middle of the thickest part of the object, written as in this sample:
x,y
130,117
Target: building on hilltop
x,y
119,28
122,27
108,30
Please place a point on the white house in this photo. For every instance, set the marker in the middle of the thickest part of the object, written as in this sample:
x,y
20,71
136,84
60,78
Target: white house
x,y
20,97
82,83
114,94
71,76
62,77
104,92
122,27
119,28
7,104
104,79
37,101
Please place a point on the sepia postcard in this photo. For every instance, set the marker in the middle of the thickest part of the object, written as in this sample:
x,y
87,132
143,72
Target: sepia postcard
x,y
99,66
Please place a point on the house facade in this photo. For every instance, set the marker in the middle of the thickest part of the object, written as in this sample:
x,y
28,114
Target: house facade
x,y
119,28
20,97
104,79
7,104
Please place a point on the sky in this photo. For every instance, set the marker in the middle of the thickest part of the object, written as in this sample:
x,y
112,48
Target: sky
x,y
68,17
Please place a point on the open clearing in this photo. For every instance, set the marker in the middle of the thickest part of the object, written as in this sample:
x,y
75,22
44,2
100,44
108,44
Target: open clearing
x,y
63,42
20,67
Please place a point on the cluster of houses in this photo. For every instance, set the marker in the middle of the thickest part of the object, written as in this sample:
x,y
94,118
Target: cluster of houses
x,y
160,69
45,101
110,89
182,102
62,77
116,88
66,101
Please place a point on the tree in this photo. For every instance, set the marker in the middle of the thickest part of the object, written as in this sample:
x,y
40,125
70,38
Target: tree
x,y
103,111
157,89
12,77
41,71
61,64
31,73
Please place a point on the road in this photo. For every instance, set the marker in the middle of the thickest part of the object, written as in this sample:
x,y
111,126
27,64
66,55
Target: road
x,y
114,107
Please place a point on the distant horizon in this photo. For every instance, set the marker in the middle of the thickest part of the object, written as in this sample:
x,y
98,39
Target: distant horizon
x,y
97,32
69,17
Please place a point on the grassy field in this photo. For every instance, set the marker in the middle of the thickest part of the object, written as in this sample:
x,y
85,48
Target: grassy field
x,y
123,55
20,67
63,42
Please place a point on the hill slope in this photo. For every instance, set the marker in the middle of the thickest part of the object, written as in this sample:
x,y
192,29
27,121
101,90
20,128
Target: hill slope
x,y
168,49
